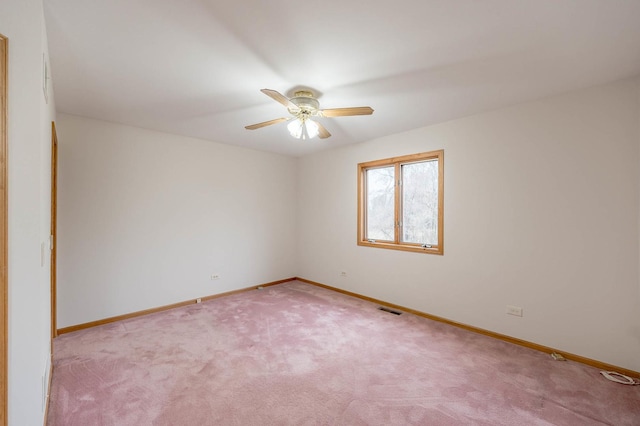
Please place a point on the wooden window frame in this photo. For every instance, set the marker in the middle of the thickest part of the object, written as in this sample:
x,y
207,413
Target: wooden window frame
x,y
397,162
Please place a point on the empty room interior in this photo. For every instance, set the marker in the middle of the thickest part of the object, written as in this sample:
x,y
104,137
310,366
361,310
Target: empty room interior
x,y
417,212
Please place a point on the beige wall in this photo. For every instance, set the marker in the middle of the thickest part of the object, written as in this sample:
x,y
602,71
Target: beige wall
x,y
146,218
541,211
29,165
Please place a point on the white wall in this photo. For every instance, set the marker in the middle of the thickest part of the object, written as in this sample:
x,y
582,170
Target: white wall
x,y
145,218
541,211
29,134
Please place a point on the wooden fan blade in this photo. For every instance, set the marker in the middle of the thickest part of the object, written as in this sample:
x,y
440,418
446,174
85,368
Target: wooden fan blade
x,y
342,112
265,123
323,133
277,96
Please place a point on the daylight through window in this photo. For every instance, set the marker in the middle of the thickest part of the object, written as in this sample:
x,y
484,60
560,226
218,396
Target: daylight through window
x,y
400,203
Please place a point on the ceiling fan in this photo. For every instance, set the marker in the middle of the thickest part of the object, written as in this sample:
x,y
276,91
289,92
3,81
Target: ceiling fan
x,y
302,107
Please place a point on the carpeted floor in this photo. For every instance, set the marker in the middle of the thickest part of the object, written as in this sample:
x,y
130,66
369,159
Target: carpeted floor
x,y
296,354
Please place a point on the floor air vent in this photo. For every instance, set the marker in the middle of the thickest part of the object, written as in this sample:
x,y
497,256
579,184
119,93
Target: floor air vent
x,y
391,311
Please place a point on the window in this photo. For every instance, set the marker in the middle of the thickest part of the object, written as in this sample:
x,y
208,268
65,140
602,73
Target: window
x,y
401,201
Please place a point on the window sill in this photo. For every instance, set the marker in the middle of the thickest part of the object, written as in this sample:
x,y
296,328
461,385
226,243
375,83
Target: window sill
x,y
403,247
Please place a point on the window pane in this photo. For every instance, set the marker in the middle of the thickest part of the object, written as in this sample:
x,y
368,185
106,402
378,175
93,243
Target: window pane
x,y
380,203
420,202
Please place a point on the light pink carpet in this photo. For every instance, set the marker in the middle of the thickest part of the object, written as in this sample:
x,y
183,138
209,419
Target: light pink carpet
x,y
296,354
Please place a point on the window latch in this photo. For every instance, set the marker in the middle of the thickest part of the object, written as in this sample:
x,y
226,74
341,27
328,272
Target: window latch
x,y
426,246
371,241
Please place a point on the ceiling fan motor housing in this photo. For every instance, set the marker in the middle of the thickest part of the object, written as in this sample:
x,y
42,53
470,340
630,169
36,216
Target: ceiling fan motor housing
x,y
305,104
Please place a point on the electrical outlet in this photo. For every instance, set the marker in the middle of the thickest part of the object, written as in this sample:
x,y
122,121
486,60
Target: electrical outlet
x,y
514,310
199,300
215,276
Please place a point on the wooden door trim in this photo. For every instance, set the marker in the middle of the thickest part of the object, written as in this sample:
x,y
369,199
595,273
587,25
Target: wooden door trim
x,y
4,282
54,228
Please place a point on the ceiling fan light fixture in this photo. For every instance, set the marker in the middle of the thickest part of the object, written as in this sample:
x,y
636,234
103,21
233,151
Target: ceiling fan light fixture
x,y
303,106
303,129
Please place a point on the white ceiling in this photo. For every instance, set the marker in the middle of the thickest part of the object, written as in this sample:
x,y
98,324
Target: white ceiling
x,y
196,67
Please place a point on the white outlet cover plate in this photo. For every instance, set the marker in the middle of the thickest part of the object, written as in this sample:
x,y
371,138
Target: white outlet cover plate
x,y
514,310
